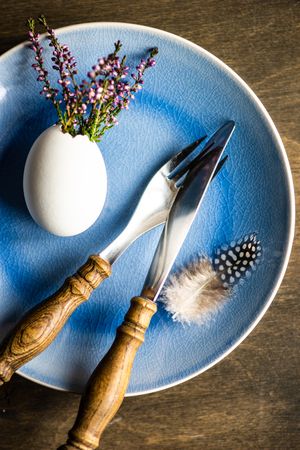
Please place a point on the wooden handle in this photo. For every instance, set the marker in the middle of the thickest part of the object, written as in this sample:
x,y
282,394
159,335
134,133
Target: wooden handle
x,y
40,326
107,386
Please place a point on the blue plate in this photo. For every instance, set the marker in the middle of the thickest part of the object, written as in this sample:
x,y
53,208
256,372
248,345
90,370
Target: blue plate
x,y
187,94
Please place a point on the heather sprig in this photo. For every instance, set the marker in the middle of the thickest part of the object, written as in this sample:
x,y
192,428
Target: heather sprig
x,y
47,90
90,107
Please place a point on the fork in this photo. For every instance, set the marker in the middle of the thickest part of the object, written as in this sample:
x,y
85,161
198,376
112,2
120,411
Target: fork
x,y
40,326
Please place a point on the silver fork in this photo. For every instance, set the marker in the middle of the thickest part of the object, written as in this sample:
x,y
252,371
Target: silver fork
x,y
40,326
153,206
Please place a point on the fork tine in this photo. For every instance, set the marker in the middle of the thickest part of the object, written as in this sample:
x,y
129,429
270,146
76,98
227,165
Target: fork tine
x,y
220,138
177,174
177,159
180,181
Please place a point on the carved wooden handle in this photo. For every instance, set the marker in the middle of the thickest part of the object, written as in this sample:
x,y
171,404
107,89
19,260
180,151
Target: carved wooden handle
x,y
40,326
107,386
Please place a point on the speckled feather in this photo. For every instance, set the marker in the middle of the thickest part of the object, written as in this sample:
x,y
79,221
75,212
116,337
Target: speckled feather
x,y
202,287
237,260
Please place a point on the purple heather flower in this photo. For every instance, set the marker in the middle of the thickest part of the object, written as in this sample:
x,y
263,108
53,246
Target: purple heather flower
x,y
151,62
91,94
107,89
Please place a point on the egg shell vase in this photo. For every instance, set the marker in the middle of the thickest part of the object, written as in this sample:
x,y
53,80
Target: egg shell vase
x,y
65,182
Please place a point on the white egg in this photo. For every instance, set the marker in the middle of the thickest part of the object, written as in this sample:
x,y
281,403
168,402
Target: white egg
x,y
65,182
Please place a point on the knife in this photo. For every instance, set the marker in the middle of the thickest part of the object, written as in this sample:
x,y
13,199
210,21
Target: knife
x,y
107,386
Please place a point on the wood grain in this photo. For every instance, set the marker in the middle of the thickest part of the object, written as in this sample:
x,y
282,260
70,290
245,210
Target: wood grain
x,y
251,400
40,326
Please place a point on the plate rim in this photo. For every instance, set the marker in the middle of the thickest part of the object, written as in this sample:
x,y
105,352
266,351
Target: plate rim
x,y
275,134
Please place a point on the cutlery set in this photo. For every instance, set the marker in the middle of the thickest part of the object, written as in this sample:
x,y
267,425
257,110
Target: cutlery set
x,y
172,198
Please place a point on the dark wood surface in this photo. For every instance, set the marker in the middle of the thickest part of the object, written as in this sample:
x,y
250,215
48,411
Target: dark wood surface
x,y
251,399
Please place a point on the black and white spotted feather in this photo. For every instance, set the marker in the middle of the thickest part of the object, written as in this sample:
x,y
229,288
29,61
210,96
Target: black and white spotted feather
x,y
235,261
201,288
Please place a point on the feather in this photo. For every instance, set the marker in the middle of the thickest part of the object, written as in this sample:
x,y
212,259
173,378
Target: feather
x,y
201,288
193,293
236,260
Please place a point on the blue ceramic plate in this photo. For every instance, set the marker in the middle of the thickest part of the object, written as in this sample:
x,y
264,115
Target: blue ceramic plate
x,y
187,94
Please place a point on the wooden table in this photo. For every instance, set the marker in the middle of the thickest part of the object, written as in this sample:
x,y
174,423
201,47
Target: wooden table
x,y
251,399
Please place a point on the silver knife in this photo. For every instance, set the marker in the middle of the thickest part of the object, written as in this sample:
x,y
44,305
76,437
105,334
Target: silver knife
x,y
107,386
